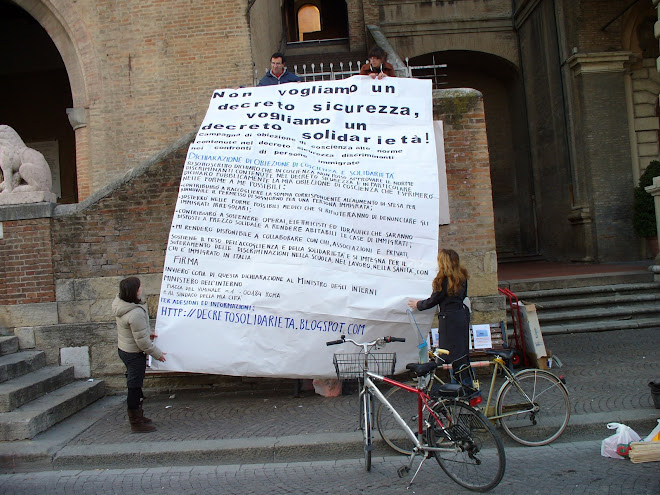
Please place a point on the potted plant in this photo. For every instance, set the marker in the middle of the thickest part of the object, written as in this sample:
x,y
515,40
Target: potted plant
x,y
644,209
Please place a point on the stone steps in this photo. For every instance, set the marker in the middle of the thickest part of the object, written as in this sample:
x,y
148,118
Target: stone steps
x,y
586,303
20,363
33,396
650,290
597,312
599,326
8,345
618,299
26,388
42,413
576,281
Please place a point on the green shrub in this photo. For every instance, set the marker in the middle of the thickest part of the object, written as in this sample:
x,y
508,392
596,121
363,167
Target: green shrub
x,y
643,204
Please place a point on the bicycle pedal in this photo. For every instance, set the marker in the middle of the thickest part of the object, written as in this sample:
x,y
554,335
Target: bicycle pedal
x,y
403,471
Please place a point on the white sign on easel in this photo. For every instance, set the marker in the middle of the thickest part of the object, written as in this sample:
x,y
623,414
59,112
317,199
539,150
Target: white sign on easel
x,y
481,337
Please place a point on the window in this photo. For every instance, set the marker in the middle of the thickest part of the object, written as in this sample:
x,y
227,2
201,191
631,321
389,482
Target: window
x,y
309,20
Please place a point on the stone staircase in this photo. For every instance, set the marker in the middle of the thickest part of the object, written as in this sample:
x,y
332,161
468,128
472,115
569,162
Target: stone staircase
x,y
33,396
591,303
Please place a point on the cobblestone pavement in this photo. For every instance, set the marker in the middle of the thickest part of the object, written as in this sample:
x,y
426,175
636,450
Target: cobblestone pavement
x,y
563,468
605,372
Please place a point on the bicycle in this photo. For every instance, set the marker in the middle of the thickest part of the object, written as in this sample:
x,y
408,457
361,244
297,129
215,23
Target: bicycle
x,y
532,405
464,443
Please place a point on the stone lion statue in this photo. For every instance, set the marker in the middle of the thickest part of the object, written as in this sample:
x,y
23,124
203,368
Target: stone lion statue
x,y
23,169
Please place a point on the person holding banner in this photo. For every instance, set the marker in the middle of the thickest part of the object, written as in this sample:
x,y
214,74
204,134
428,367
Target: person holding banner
x,y
135,341
450,287
377,66
278,73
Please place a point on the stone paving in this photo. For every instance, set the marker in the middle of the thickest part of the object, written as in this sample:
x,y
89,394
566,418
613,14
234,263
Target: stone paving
x,y
573,468
605,372
607,375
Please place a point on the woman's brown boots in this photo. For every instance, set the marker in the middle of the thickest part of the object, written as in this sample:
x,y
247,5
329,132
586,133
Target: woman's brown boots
x,y
139,424
144,418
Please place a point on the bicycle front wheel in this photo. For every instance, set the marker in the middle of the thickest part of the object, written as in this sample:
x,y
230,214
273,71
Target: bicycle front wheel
x,y
474,456
366,403
405,404
536,409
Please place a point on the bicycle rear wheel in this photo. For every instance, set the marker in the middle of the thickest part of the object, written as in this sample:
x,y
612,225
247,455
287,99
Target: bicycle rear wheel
x,y
366,403
475,456
540,421
406,405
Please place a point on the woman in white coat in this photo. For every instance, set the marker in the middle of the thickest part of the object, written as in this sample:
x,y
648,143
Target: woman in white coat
x,y
135,342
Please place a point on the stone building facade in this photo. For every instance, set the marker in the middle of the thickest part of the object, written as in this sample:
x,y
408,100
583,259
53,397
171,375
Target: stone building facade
x,y
568,84
543,166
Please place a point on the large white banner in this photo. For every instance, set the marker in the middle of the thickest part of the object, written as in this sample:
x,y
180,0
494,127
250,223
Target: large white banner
x,y
305,212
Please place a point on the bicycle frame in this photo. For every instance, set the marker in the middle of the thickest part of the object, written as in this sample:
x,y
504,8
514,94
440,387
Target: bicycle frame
x,y
453,438
489,411
422,405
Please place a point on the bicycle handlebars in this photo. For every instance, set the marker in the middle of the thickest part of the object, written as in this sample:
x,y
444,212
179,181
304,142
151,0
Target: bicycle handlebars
x,y
384,339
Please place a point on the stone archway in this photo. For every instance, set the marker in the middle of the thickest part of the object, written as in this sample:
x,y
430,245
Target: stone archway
x,y
58,27
508,141
36,94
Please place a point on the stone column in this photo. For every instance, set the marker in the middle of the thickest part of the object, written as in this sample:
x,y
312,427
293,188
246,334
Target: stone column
x,y
603,152
78,120
654,190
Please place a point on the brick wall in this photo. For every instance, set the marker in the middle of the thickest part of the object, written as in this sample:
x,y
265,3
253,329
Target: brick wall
x,y
26,267
592,17
125,232
471,232
356,22
157,64
468,183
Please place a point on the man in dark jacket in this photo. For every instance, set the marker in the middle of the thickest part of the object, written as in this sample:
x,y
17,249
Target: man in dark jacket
x,y
278,73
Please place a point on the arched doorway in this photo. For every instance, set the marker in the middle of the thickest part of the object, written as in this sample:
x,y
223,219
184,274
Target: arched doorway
x,y
508,142
36,94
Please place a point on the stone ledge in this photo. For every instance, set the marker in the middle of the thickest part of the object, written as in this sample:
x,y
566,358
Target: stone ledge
x,y
28,211
28,315
136,172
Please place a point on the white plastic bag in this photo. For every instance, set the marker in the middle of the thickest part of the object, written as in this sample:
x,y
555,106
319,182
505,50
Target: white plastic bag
x,y
617,446
327,387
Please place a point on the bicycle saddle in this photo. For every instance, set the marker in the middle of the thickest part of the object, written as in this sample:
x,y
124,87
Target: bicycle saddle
x,y
422,369
505,354
452,390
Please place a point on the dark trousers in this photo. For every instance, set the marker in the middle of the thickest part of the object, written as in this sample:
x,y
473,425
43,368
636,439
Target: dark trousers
x,y
136,365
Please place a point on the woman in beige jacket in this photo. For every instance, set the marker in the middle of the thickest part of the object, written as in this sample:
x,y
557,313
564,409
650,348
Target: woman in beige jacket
x,y
135,341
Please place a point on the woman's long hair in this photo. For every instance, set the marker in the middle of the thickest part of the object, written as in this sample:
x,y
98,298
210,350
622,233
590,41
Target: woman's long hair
x,y
449,266
128,289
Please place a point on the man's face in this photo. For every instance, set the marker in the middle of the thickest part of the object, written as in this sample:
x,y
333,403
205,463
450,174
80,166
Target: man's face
x,y
276,65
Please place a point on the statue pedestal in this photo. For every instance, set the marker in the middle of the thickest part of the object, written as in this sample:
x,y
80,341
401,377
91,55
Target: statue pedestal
x,y
21,198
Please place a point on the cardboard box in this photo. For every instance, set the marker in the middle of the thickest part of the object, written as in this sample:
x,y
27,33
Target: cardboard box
x,y
543,362
534,345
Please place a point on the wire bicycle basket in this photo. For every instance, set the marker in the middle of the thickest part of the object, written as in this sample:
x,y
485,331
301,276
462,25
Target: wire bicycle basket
x,y
351,366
